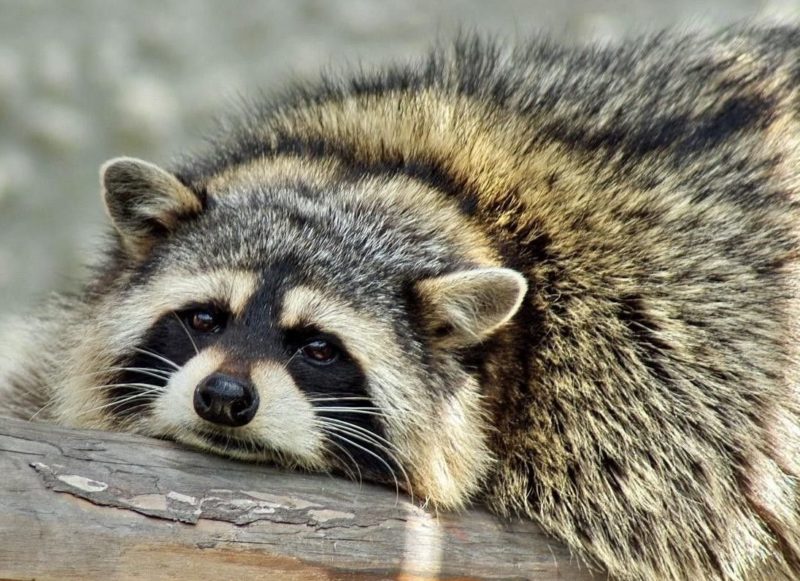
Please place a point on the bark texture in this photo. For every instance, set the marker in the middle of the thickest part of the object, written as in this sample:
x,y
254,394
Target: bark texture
x,y
96,506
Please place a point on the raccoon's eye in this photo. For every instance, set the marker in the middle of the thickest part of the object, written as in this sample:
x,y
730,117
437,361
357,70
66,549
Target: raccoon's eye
x,y
206,319
320,351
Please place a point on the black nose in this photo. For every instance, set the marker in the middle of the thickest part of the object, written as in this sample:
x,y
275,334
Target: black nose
x,y
226,400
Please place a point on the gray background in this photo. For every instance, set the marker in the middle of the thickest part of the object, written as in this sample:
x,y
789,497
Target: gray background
x,y
82,81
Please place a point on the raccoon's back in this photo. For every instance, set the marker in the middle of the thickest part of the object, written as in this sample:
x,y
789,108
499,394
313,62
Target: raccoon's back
x,y
649,194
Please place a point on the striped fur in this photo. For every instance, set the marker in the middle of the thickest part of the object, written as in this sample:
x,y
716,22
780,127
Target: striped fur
x,y
640,402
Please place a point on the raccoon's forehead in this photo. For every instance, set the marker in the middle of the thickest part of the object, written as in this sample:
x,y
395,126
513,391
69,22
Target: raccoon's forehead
x,y
302,235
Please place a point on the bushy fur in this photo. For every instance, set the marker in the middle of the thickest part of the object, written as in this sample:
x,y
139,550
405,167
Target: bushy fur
x,y
642,402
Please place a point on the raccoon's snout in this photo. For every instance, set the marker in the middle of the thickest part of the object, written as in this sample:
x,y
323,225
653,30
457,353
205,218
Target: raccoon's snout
x,y
226,400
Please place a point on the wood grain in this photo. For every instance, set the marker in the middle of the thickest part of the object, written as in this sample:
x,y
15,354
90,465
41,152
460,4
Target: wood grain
x,y
91,506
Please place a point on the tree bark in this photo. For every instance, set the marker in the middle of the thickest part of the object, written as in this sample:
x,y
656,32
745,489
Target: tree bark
x,y
136,508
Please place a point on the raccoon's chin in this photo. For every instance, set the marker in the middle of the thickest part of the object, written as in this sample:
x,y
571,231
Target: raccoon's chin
x,y
222,444
248,449
228,444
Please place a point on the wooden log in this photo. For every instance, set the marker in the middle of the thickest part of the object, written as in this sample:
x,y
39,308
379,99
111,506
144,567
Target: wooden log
x,y
90,506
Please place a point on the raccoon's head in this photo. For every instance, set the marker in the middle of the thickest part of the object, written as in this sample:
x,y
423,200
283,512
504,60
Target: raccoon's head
x,y
308,318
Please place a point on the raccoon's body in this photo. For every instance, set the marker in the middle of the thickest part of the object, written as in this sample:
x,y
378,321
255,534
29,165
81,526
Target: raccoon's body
x,y
560,281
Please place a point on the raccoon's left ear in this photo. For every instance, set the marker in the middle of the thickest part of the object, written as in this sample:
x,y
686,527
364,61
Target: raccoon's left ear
x,y
144,201
463,308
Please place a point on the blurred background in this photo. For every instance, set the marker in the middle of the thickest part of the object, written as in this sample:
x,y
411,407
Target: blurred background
x,y
84,80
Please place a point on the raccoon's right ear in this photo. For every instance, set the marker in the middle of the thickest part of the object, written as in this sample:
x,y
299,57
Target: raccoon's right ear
x,y
144,201
463,308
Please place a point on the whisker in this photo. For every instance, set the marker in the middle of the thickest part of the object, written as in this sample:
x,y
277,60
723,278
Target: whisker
x,y
149,372
159,357
363,411
116,402
51,402
368,438
352,460
113,385
148,390
368,435
339,435
152,371
289,361
316,399
324,399
183,326
138,406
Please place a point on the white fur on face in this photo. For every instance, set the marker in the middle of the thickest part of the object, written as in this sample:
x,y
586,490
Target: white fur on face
x,y
285,422
285,418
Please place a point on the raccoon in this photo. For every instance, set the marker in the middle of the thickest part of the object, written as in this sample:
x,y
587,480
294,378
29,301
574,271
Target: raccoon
x,y
561,281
